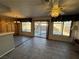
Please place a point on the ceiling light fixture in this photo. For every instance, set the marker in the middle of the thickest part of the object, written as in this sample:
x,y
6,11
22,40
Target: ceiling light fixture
x,y
56,10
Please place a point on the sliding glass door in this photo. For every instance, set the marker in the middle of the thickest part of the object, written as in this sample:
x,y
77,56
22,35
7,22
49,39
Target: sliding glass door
x,y
41,28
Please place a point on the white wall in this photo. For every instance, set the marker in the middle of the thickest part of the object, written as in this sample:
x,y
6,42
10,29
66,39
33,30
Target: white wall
x,y
75,35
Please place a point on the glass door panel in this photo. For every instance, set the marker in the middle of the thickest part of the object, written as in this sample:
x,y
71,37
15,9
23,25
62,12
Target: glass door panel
x,y
41,29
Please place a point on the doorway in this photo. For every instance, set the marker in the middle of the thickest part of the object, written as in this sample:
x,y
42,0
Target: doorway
x,y
41,28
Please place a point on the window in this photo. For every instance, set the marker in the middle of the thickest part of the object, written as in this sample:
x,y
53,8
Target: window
x,y
26,26
57,28
62,28
66,28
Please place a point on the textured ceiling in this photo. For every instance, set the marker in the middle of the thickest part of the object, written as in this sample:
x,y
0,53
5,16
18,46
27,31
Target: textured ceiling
x,y
35,8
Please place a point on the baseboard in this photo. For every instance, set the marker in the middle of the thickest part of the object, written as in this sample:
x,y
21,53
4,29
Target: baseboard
x,y
7,52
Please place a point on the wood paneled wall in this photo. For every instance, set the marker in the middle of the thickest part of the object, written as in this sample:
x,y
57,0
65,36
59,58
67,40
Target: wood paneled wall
x,y
6,24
